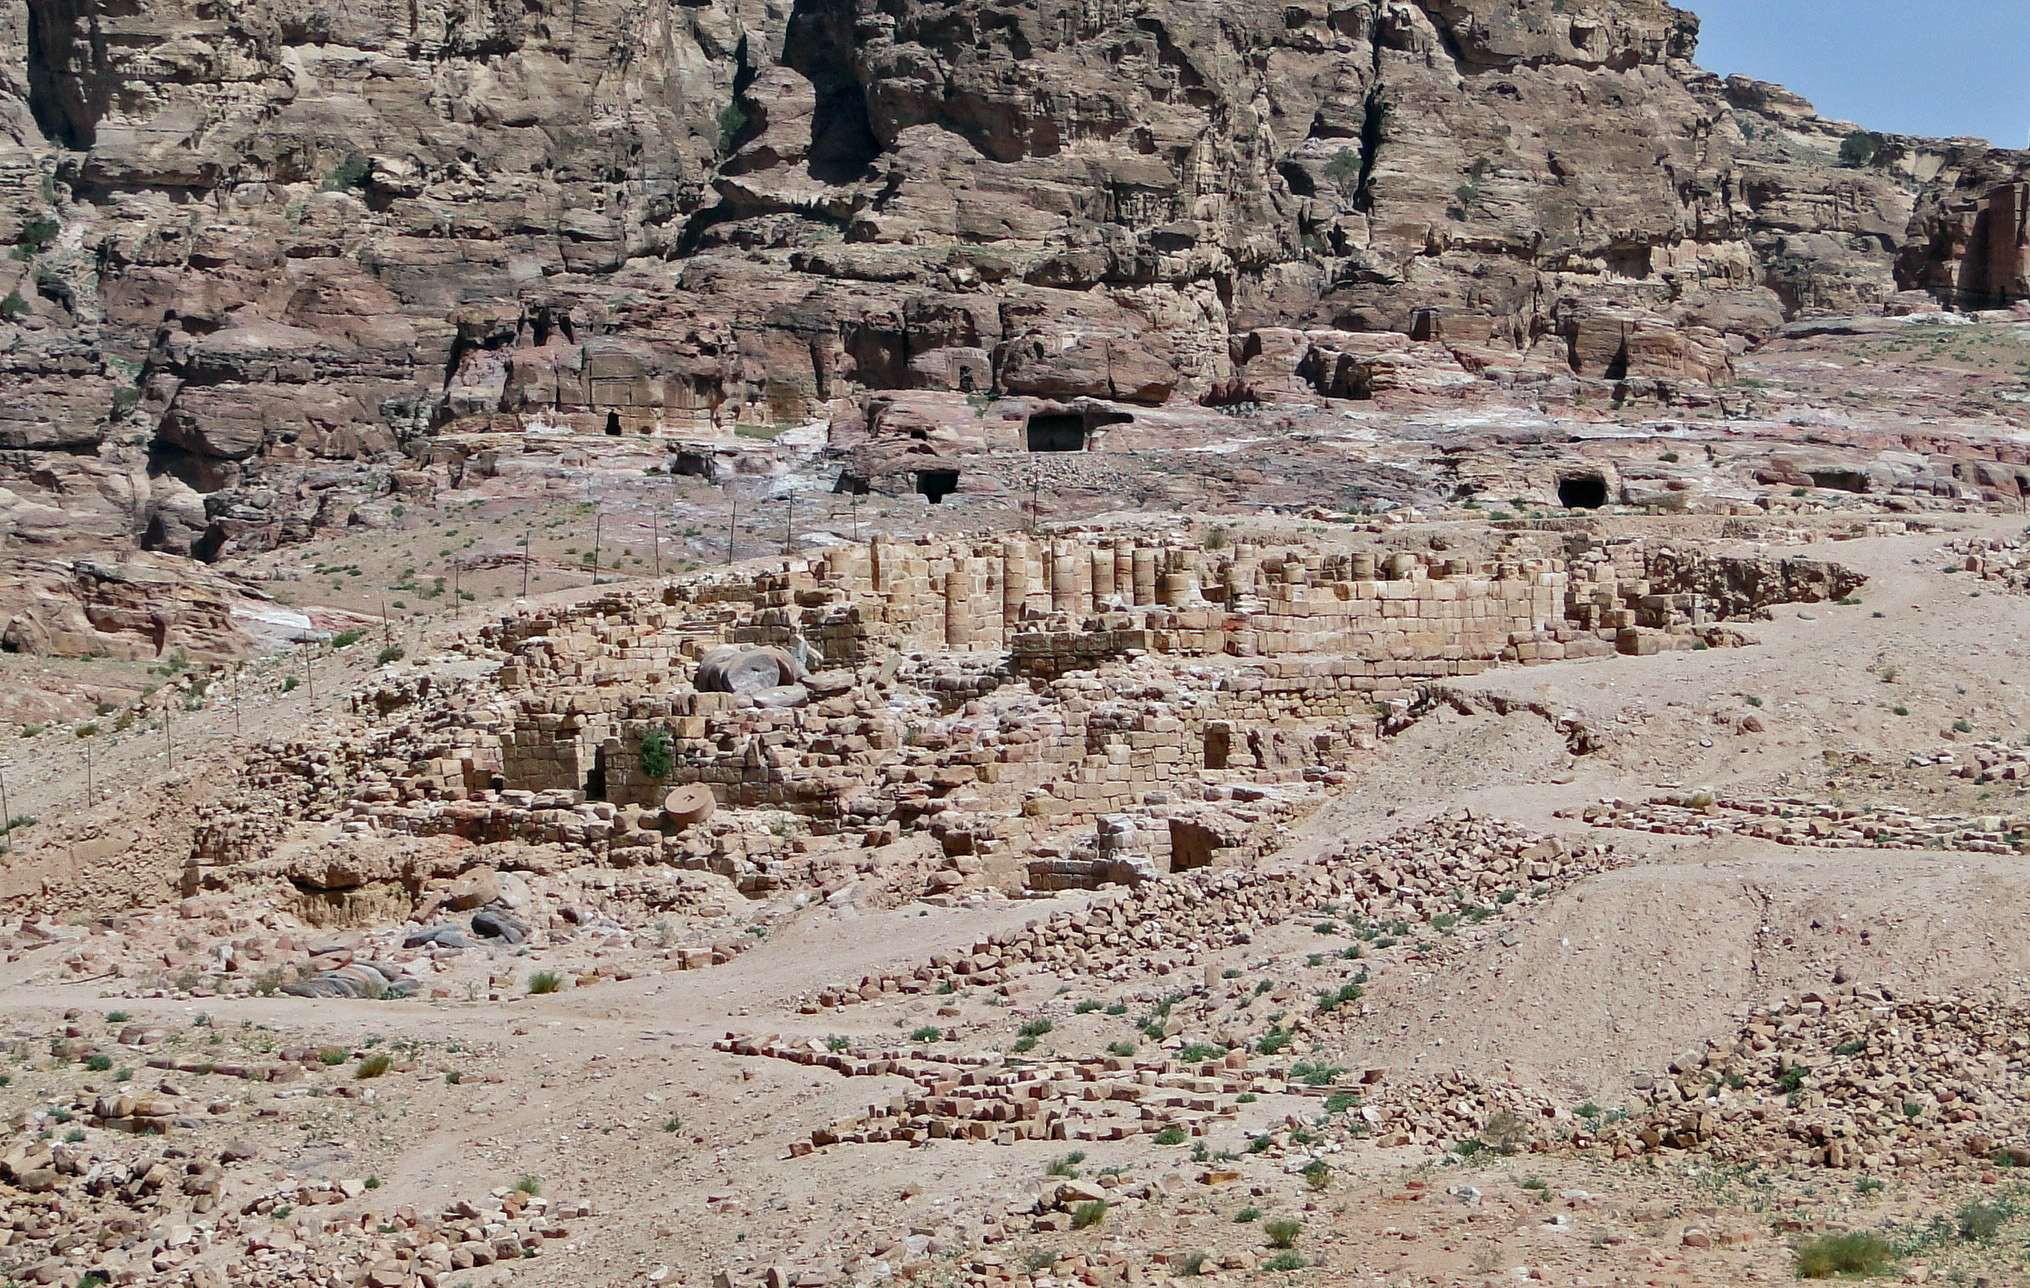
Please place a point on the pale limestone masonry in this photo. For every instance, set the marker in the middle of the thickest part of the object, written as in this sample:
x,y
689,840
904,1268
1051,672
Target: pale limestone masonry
x,y
1058,713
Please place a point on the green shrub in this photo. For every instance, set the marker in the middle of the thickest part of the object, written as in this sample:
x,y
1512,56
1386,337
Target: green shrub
x,y
657,756
1247,1214
331,1056
1315,1073
673,1123
349,173
392,653
1022,1045
1087,1007
732,120
1192,1263
1792,1078
1852,1255
374,1065
1981,1221
1087,1215
1170,1136
99,1063
13,307
928,1033
530,1186
1317,1174
1283,1233
834,1042
346,639
1344,170
545,981
1284,1261
1065,1164
1122,1049
36,236
1036,1028
1858,149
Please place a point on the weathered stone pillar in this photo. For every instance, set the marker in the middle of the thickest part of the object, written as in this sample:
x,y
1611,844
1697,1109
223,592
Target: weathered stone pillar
x,y
1145,575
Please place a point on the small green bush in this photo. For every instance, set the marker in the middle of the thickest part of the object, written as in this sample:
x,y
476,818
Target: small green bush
x,y
374,1065
1283,1233
392,653
36,236
1036,1028
346,639
1317,1174
1980,1222
1858,149
99,1063
349,173
545,981
928,1033
1087,1215
530,1186
117,1017
331,1056
657,756
1247,1214
1853,1255
674,1122
1284,1261
1170,1136
13,307
1087,1007
1065,1165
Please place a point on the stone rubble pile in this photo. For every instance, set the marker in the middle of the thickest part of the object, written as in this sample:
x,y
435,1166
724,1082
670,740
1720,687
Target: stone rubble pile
x,y
1450,866
1800,821
2002,561
1851,1077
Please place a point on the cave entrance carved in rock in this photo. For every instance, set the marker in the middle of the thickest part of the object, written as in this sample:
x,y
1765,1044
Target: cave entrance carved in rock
x,y
1582,492
936,485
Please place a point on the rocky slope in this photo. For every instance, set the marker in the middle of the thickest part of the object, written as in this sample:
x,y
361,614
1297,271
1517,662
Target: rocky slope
x,y
264,253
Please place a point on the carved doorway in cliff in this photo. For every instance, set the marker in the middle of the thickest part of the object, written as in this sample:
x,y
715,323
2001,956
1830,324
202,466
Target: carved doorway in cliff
x,y
613,424
595,778
1582,492
936,485
1056,432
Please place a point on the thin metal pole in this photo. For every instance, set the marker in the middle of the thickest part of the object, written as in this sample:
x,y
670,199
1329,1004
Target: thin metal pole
x,y
308,677
789,527
597,519
525,563
6,813
168,742
237,731
732,519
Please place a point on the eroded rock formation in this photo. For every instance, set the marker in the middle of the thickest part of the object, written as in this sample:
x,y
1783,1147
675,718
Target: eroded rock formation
x,y
256,243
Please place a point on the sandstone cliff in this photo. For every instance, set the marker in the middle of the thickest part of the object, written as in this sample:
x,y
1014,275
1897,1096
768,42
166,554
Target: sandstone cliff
x,y
262,248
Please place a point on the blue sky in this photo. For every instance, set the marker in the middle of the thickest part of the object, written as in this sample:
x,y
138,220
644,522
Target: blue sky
x,y
1936,67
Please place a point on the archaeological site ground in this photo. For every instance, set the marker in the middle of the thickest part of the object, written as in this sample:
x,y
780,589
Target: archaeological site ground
x,y
1001,644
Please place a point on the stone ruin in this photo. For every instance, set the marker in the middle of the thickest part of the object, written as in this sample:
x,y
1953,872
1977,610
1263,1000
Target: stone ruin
x,y
1089,709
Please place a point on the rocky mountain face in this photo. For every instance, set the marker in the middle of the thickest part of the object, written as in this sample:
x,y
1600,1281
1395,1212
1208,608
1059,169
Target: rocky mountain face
x,y
263,252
